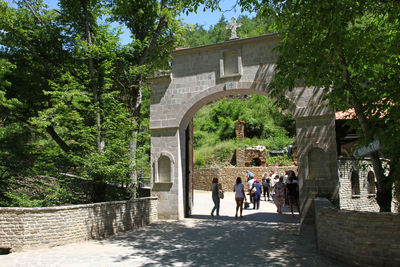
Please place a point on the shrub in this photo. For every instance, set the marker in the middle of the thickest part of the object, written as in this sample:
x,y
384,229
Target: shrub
x,y
281,160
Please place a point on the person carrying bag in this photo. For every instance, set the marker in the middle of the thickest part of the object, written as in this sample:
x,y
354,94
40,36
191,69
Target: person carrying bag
x,y
217,194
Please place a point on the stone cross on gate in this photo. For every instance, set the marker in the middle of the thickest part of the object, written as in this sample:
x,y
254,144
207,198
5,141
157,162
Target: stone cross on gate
x,y
233,26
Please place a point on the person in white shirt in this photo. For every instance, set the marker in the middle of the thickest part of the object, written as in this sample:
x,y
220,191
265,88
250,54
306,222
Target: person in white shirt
x,y
250,182
240,196
274,181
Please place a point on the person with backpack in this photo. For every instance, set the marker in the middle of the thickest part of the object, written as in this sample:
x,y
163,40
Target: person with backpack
x,y
266,185
256,194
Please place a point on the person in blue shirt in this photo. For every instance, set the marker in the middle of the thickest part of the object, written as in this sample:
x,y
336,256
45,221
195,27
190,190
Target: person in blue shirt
x,y
256,193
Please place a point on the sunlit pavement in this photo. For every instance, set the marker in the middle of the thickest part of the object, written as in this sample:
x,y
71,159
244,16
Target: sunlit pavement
x,y
262,238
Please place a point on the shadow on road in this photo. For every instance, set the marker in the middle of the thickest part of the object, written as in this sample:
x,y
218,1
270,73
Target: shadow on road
x,y
261,238
223,241
255,217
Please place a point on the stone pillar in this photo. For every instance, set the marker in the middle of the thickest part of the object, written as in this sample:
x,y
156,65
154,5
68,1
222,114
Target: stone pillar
x,y
317,156
166,148
240,157
239,130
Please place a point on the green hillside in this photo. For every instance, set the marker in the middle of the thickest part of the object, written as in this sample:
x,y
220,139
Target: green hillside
x,y
214,129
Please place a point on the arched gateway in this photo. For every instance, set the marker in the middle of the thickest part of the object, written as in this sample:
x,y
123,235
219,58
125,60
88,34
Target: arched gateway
x,y
207,73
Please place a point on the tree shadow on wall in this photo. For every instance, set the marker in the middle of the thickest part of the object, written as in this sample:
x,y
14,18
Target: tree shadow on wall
x,y
111,218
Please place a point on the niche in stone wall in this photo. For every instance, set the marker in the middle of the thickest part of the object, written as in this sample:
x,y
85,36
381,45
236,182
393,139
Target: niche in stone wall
x,y
230,63
371,183
154,175
164,169
355,184
318,167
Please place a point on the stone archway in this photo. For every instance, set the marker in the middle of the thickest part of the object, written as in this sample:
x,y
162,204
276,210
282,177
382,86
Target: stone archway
x,y
208,73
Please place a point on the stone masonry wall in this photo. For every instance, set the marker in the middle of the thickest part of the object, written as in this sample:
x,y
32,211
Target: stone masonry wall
x,y
200,76
364,201
22,228
227,176
244,157
357,238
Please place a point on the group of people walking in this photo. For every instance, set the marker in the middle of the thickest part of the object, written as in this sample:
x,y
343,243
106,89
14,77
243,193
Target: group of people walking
x,y
280,189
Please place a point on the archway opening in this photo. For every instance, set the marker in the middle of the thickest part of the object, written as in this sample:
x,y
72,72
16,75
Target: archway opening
x,y
256,162
219,150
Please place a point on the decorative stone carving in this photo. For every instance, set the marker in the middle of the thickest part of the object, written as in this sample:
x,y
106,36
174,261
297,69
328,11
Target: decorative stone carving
x,y
233,26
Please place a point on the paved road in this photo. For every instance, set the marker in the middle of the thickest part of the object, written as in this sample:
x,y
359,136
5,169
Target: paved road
x,y
261,238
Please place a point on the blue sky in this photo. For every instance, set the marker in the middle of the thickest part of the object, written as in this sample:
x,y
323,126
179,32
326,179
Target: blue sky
x,y
209,18
206,19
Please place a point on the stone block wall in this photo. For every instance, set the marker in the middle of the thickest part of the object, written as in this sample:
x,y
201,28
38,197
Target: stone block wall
x,y
166,142
22,228
227,176
245,156
364,201
202,75
317,157
357,238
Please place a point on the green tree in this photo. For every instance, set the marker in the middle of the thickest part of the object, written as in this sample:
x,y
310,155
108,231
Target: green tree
x,y
155,32
196,35
348,48
76,98
214,128
63,78
29,43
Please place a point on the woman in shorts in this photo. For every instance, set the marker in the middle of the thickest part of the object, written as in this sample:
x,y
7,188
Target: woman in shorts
x,y
238,188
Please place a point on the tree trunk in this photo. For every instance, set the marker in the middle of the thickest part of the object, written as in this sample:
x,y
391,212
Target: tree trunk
x,y
93,80
58,139
161,24
384,192
99,183
132,153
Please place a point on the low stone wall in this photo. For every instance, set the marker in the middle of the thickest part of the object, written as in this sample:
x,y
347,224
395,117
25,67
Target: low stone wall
x,y
357,238
227,176
22,228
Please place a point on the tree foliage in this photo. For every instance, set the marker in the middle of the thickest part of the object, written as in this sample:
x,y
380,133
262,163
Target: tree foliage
x,y
349,48
196,35
72,95
214,128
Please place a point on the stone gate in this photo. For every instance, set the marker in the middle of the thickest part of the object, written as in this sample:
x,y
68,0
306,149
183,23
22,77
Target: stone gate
x,y
204,74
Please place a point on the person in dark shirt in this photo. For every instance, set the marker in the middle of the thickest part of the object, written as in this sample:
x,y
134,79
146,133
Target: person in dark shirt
x,y
256,193
291,193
